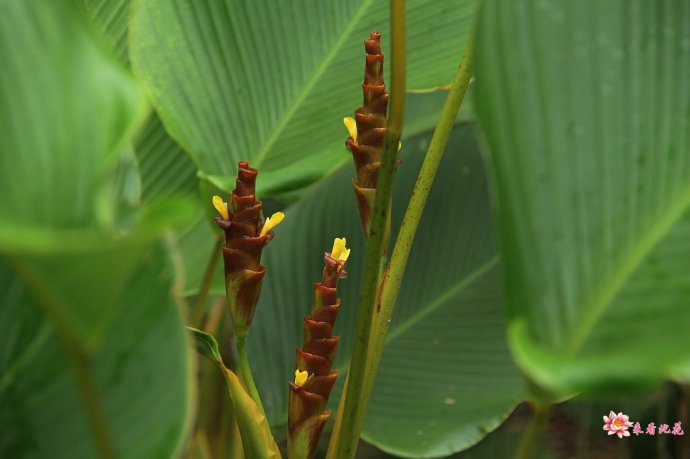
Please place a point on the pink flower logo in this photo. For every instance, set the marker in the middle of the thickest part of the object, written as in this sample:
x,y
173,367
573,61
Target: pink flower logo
x,y
617,424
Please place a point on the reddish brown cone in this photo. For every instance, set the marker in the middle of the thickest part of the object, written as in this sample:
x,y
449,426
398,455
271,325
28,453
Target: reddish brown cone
x,y
370,119
244,243
307,413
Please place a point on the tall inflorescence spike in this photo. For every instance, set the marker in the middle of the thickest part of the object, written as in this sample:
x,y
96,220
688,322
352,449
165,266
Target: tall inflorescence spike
x,y
246,234
314,378
369,129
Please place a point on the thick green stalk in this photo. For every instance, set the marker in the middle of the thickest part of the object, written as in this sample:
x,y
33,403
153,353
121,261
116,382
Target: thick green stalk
x,y
354,407
535,430
394,274
390,287
246,372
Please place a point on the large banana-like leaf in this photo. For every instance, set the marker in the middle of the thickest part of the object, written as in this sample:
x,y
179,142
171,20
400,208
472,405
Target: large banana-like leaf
x,y
142,370
446,377
586,108
270,82
164,167
78,273
111,16
59,216
66,108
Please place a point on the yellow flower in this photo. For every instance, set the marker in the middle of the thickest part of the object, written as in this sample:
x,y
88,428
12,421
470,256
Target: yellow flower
x,y
351,126
221,207
301,377
271,222
339,251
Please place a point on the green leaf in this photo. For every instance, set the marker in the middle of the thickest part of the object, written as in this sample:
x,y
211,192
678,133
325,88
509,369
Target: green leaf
x,y
271,82
681,373
98,274
164,166
66,108
206,345
80,274
446,377
142,370
586,107
256,434
61,167
111,17
422,111
127,179
84,282
196,245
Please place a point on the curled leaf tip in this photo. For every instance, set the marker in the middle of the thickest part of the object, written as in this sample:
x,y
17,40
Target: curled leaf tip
x,y
301,377
221,207
351,126
340,251
271,222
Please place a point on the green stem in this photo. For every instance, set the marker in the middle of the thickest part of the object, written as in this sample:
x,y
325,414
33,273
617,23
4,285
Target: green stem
x,y
535,430
91,398
354,407
246,372
390,287
394,274
207,281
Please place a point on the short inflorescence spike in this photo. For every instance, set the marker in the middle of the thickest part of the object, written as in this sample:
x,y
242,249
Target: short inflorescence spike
x,y
245,238
369,129
314,378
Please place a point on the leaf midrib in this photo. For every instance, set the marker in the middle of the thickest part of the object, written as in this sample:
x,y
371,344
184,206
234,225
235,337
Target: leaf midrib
x,y
608,291
313,80
436,303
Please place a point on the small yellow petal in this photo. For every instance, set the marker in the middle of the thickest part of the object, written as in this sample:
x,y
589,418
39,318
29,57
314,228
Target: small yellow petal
x,y
351,126
399,145
221,207
343,256
301,377
340,251
271,222
338,246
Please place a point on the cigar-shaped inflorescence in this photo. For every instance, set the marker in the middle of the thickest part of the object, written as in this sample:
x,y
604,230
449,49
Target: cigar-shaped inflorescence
x,y
246,234
314,378
368,129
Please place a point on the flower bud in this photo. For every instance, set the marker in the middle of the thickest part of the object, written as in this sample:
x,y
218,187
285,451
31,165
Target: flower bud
x,y
314,378
246,234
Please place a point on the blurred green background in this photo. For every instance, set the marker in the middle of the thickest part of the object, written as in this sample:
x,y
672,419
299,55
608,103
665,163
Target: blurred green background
x,y
551,261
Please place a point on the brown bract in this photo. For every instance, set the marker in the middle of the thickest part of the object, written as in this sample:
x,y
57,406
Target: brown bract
x,y
307,403
244,272
371,121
